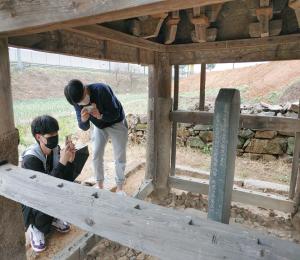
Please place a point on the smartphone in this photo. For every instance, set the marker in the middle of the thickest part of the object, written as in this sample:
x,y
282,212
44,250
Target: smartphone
x,y
89,109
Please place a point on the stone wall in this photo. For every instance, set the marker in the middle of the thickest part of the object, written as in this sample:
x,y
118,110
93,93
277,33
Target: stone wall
x,y
254,144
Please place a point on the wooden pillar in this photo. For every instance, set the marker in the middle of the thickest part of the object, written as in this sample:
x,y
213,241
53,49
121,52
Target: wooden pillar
x,y
295,165
226,125
12,236
202,87
159,124
174,124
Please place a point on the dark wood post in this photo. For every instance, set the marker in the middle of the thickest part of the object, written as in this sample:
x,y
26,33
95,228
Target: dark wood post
x,y
174,124
12,234
159,125
202,87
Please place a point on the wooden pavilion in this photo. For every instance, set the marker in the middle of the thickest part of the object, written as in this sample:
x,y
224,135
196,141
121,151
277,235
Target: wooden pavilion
x,y
159,34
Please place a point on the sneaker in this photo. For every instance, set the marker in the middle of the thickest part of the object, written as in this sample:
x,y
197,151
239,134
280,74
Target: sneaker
x,y
121,192
37,239
61,226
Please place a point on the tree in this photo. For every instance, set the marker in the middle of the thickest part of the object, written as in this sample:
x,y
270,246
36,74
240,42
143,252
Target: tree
x,y
210,66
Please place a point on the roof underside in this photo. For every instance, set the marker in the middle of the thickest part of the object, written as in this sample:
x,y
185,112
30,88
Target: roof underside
x,y
148,26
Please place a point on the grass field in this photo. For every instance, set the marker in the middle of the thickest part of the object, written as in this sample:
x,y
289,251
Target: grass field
x,y
25,111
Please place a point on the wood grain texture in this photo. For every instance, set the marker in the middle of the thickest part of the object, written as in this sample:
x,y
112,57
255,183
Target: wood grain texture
x,y
246,121
155,230
262,49
27,17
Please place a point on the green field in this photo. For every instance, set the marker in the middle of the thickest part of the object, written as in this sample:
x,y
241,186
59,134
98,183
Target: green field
x,y
25,111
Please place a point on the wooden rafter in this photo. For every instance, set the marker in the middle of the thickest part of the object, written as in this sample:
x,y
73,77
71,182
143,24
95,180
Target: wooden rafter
x,y
27,17
172,24
103,33
149,26
261,49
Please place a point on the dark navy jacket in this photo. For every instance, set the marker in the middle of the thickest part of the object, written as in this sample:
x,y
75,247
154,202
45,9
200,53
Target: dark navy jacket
x,y
107,104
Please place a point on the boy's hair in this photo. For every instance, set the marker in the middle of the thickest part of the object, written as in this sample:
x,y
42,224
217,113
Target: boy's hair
x,y
44,125
74,91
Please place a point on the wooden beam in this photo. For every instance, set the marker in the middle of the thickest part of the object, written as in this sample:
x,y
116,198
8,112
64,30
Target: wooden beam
x,y
155,230
174,124
103,33
262,49
246,121
12,245
159,124
144,190
74,44
149,26
29,17
255,198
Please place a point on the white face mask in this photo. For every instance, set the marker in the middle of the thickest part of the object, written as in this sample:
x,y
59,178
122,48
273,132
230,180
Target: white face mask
x,y
85,101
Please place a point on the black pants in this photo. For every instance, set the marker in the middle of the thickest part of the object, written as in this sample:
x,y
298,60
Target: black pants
x,y
37,218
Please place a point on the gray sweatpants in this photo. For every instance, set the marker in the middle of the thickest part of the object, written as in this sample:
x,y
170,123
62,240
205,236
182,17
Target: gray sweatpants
x,y
119,135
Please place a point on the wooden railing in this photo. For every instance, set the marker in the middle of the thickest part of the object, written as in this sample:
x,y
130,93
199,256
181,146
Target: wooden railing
x,y
155,230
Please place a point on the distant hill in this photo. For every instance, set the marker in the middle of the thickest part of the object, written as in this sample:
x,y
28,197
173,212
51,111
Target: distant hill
x,y
273,82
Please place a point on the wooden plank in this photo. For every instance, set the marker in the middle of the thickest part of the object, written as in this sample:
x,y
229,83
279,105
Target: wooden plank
x,y
174,124
144,190
103,33
79,249
255,198
226,125
295,165
246,121
202,87
155,230
74,44
262,49
27,17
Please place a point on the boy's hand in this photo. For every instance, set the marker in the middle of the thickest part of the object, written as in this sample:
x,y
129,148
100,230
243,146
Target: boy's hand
x,y
95,112
84,115
67,154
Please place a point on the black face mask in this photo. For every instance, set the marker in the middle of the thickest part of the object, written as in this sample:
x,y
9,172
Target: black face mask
x,y
52,142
